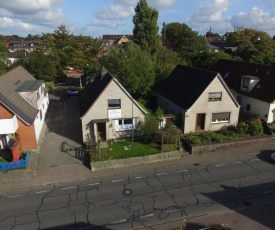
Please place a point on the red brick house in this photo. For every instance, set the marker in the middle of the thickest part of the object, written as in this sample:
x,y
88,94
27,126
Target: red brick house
x,y
23,106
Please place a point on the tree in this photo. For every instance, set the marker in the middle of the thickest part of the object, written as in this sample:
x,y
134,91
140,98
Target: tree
x,y
145,27
166,60
183,40
133,67
3,56
253,46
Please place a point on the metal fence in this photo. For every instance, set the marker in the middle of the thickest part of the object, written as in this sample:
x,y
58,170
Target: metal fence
x,y
22,163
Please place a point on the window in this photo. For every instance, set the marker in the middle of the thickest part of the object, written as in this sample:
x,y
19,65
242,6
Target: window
x,y
239,100
220,117
124,124
114,104
215,97
248,107
245,82
40,114
38,96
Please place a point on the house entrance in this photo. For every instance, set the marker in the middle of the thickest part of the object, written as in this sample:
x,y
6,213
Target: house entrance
x,y
200,121
101,131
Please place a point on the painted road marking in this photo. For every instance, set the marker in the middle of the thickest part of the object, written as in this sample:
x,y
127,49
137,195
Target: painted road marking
x,y
139,177
93,184
118,221
42,191
72,187
267,192
220,165
246,196
117,180
160,174
14,196
152,214
238,162
183,170
175,210
255,159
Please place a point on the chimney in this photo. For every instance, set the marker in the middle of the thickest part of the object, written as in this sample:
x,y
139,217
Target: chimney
x,y
103,72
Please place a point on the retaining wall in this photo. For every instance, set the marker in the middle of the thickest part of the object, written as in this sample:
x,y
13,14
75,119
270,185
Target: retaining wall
x,y
109,164
201,148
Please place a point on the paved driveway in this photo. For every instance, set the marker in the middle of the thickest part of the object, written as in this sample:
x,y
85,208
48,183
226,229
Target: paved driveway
x,y
61,144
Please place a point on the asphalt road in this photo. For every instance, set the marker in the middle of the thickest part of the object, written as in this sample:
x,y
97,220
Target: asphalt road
x,y
144,198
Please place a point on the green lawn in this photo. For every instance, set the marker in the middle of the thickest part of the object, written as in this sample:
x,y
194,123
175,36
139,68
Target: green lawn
x,y
3,160
122,150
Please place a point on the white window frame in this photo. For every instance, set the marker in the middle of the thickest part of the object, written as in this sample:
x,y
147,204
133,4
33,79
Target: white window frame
x,y
215,96
124,127
222,119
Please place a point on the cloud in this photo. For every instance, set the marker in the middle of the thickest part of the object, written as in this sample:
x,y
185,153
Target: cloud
x,y
161,4
255,19
103,23
210,11
25,14
115,12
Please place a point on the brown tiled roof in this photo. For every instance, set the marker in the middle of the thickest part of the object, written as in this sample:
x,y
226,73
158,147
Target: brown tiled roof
x,y
233,71
11,99
185,85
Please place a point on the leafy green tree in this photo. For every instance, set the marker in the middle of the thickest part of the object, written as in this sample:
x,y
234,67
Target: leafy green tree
x,y
183,40
166,60
150,126
211,34
145,27
253,46
3,56
133,67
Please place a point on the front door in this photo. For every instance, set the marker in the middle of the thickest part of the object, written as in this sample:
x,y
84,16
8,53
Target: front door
x,y
101,131
200,121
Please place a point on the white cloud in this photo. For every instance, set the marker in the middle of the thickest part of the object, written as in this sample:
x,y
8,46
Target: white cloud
x,y
103,23
255,19
210,11
116,12
25,14
161,4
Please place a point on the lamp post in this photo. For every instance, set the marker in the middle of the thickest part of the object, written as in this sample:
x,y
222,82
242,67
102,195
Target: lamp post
x,y
132,122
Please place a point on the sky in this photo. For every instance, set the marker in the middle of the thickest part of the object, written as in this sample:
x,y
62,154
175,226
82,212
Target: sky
x,y
97,17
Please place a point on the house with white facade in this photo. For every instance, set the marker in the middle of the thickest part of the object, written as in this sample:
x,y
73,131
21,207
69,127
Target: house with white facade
x,y
107,110
23,105
253,84
200,98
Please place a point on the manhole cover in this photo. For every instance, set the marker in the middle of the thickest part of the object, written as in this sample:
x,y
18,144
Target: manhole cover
x,y
127,192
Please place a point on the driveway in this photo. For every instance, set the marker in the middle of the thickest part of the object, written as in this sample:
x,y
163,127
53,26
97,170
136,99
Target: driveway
x,y
61,144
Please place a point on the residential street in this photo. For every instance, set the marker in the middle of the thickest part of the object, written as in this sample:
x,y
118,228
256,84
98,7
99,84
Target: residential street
x,y
57,191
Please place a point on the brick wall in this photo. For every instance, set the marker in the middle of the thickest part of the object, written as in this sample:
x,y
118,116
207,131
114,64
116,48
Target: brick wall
x,y
27,135
26,132
5,113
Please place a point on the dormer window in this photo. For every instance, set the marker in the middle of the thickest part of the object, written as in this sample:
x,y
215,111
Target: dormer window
x,y
246,82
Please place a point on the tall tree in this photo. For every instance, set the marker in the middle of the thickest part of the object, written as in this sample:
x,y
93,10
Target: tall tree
x,y
183,40
3,56
145,27
133,67
253,46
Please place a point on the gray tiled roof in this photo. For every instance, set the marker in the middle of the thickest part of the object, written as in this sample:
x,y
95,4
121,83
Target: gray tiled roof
x,y
11,99
27,86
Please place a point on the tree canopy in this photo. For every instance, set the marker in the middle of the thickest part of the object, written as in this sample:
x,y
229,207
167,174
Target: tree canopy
x,y
145,27
253,46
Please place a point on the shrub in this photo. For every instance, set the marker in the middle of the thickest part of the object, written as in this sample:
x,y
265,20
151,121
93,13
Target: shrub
x,y
255,126
242,127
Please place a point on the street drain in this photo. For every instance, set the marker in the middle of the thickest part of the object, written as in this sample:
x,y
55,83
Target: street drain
x,y
127,192
196,164
246,203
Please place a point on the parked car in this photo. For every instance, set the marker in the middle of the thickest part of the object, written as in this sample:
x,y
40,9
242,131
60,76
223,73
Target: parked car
x,y
272,156
72,92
